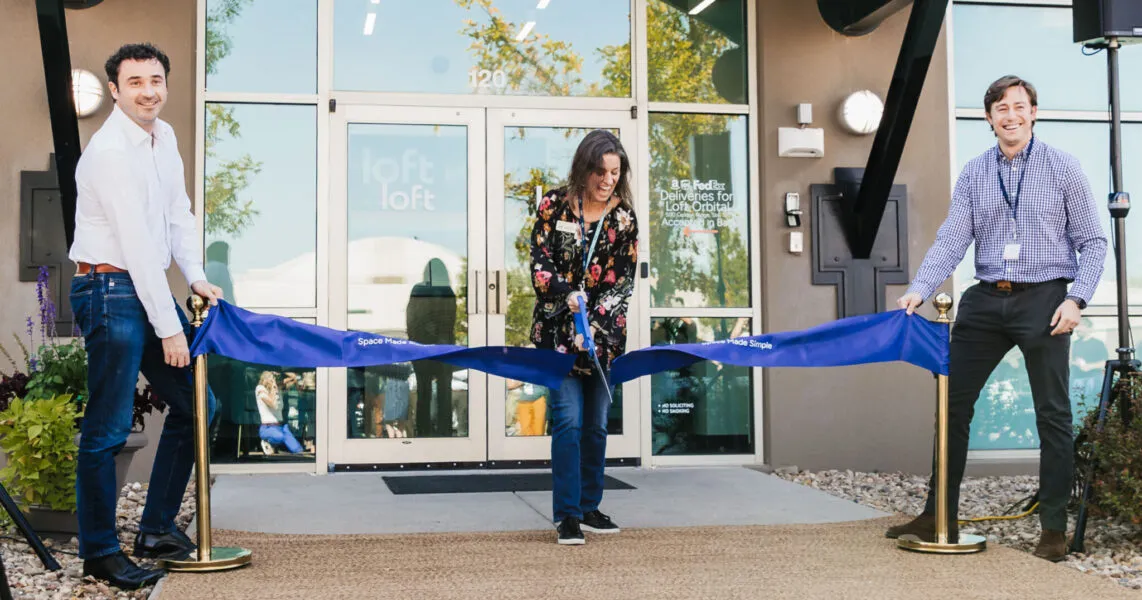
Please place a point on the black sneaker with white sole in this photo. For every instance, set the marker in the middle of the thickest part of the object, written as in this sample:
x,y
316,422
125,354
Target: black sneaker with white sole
x,y
569,532
597,522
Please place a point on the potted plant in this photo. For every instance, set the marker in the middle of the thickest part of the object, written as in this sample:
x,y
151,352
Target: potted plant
x,y
41,409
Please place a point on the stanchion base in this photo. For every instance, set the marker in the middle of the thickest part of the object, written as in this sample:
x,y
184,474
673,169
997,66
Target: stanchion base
x,y
222,558
967,544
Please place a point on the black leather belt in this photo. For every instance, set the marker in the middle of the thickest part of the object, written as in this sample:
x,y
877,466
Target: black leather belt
x,y
1014,286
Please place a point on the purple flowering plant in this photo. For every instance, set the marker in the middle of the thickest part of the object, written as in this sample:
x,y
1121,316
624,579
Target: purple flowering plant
x,y
52,367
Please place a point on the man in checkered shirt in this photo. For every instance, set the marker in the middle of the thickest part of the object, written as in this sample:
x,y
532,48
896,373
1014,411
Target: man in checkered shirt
x,y
1029,209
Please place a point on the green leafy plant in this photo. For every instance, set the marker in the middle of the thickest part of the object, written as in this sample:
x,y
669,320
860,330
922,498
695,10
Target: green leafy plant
x,y
39,438
1115,454
41,408
63,370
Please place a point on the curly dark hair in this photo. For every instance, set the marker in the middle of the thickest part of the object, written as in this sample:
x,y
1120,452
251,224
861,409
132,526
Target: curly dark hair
x,y
134,52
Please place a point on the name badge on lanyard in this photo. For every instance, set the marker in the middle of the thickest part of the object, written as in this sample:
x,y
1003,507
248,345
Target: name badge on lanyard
x,y
588,251
1011,249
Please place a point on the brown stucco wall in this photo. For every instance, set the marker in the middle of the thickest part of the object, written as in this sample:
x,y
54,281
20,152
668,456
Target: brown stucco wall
x,y
94,34
869,417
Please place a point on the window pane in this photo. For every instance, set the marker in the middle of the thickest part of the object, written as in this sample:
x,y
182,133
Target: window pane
x,y
1090,143
703,408
408,251
699,211
503,47
697,58
261,189
1005,414
1129,76
266,414
261,46
1047,56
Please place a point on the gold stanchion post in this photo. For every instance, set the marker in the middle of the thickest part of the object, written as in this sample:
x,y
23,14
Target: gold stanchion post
x,y
209,558
966,543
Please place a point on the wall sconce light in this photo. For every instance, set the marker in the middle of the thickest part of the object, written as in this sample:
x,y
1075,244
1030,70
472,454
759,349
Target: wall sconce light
x,y
860,112
86,91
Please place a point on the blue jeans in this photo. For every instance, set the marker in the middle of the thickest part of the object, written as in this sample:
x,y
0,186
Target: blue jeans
x,y
578,445
280,435
120,343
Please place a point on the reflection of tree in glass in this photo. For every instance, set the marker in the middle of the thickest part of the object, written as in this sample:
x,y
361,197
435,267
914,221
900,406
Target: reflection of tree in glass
x,y
520,196
537,65
462,303
721,279
682,52
225,179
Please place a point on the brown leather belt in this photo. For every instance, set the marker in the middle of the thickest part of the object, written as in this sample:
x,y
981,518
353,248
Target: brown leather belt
x,y
85,268
1014,286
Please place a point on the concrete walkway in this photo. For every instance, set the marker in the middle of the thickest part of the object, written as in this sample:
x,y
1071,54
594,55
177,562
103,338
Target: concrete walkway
x,y
664,497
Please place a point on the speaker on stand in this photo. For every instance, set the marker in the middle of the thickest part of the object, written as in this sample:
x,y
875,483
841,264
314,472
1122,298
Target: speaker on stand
x,y
1107,25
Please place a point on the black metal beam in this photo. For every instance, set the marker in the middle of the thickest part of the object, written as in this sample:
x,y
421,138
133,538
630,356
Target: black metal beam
x,y
858,17
61,105
899,109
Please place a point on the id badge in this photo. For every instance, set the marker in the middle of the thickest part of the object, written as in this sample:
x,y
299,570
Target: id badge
x,y
1011,251
566,227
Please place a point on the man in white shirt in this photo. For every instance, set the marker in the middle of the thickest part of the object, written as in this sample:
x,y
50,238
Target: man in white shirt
x,y
132,217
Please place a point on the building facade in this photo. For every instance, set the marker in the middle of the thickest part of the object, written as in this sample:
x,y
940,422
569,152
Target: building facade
x,y
374,166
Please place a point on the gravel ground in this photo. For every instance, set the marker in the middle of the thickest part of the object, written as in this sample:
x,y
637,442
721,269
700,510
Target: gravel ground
x,y
1114,548
28,579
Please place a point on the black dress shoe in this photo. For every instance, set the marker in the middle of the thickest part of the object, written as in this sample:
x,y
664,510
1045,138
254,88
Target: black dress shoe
x,y
164,546
120,571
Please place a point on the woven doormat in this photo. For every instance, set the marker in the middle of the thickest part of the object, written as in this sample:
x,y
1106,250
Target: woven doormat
x,y
486,482
833,561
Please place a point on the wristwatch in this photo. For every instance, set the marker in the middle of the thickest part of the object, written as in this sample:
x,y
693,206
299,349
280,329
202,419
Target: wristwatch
x,y
1079,301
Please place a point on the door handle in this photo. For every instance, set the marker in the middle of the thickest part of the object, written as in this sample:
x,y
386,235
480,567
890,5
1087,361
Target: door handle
x,y
498,289
473,292
502,296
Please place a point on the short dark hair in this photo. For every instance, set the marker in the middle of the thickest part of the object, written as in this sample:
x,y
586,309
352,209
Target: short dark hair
x,y
996,91
134,52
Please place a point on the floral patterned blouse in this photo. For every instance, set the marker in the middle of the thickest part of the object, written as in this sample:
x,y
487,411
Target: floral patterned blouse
x,y
557,251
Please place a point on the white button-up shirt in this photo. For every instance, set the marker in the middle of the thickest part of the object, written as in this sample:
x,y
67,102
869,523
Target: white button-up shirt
x,y
133,212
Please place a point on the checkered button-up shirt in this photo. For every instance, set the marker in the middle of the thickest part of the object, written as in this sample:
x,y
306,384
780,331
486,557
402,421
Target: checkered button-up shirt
x,y
1055,216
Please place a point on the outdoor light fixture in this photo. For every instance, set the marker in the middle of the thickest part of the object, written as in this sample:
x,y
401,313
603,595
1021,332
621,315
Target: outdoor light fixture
x,y
860,112
86,91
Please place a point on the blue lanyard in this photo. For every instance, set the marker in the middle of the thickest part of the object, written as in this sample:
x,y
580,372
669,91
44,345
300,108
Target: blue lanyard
x,y
1019,190
588,251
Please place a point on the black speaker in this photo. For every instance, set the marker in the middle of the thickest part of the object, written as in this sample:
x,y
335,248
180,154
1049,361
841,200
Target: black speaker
x,y
1097,20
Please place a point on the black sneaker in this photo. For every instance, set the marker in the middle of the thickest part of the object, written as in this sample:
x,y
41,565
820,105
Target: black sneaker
x,y
597,522
569,532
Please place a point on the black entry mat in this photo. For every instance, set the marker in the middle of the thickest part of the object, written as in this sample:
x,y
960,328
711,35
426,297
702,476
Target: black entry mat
x,y
492,482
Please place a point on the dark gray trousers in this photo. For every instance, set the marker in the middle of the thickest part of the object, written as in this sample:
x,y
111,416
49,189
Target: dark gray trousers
x,y
988,324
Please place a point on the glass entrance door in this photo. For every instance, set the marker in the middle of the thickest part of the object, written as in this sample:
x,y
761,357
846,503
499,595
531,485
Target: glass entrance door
x,y
529,153
407,229
430,214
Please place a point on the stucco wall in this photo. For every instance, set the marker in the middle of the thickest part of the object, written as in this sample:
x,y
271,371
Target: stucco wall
x,y
94,34
869,417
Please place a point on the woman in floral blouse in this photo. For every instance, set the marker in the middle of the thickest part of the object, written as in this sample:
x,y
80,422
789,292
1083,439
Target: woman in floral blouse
x,y
583,248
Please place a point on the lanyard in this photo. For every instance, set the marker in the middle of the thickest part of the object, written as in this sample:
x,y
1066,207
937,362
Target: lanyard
x,y
1014,205
588,251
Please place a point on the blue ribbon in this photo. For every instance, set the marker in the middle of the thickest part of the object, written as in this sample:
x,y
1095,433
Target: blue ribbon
x,y
272,340
881,337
